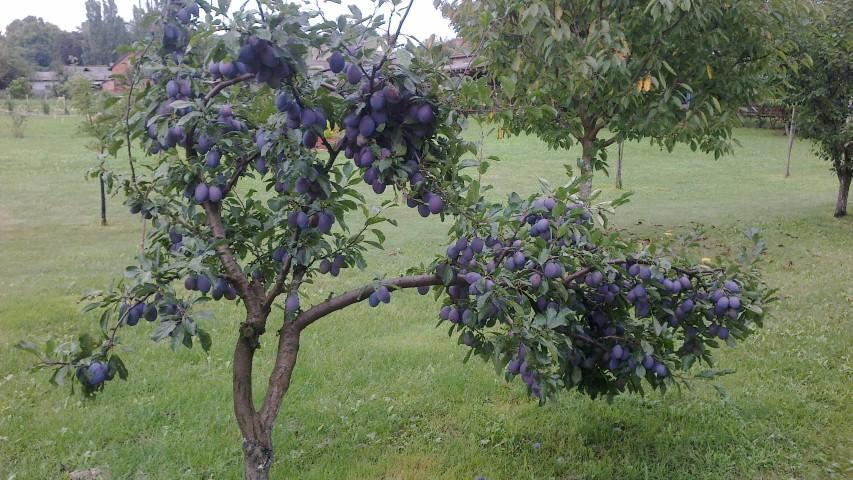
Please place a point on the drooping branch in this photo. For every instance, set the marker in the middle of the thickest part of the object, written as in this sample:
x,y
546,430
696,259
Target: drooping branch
x,y
360,294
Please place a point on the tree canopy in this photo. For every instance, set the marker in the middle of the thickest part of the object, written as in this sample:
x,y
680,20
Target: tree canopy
x,y
592,72
35,39
824,92
103,32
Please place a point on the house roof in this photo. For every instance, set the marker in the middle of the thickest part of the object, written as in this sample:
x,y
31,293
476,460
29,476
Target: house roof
x,y
92,72
44,77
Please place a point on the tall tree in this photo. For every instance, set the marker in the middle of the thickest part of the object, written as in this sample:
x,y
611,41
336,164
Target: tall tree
x,y
824,93
103,31
594,72
35,39
69,47
12,64
141,25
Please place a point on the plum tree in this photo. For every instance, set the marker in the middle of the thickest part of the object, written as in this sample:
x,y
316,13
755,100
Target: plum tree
x,y
596,73
536,284
824,91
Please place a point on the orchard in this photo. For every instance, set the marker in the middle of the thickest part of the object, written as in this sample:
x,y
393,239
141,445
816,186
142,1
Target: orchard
x,y
536,284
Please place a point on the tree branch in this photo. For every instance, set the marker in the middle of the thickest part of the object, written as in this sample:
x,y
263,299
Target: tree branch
x,y
609,141
225,84
360,294
226,256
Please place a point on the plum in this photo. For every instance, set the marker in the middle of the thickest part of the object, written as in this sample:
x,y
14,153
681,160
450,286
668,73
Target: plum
x,y
150,312
425,114
377,101
552,270
535,280
172,89
201,193
212,158
366,126
292,303
354,74
203,283
436,204
309,139
336,62
373,300
325,222
96,373
384,294
732,286
214,194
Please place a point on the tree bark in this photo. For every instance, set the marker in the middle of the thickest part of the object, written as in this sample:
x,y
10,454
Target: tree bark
x,y
103,199
619,165
844,180
258,459
588,145
257,437
791,128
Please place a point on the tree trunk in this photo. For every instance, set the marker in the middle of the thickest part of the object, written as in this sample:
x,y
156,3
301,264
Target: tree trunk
x,y
843,193
103,199
791,128
258,458
619,165
588,145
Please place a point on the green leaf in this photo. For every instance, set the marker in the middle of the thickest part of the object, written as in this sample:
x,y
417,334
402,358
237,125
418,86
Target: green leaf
x,y
31,347
204,339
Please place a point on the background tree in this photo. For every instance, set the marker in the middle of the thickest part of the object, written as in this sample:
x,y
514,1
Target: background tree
x,y
592,72
12,64
823,93
35,39
140,27
534,284
103,32
69,47
19,88
99,119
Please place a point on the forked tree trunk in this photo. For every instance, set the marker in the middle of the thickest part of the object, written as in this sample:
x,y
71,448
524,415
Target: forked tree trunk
x,y
843,193
619,164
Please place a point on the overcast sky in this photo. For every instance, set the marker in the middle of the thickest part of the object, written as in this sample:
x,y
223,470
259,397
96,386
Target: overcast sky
x,y
424,20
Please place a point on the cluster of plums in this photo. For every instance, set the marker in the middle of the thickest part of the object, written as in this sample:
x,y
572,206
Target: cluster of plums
x,y
258,57
218,288
386,114
175,33
139,310
605,346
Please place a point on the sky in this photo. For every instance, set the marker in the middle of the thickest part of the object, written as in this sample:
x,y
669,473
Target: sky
x,y
423,21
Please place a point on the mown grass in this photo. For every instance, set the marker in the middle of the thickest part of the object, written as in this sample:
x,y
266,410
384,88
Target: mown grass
x,y
384,394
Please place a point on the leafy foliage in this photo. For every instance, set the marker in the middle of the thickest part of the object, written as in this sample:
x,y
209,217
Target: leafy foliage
x,y
823,92
673,72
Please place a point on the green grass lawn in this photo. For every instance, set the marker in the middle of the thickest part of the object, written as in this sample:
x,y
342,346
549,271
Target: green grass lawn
x,y
384,394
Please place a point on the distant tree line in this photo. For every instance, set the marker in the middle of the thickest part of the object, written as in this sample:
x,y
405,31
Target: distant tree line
x,y
32,44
